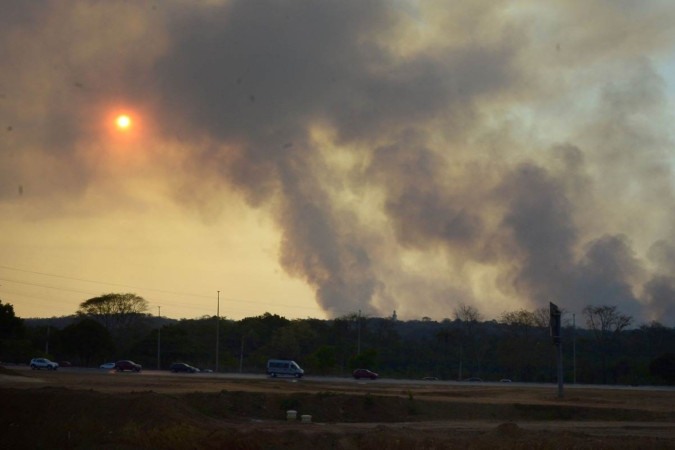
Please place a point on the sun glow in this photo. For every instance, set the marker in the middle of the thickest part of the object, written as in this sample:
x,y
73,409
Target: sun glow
x,y
123,122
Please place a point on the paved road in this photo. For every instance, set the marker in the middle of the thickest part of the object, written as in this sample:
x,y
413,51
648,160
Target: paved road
x,y
349,380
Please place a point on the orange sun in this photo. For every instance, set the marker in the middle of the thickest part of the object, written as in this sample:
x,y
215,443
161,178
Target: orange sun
x,y
123,122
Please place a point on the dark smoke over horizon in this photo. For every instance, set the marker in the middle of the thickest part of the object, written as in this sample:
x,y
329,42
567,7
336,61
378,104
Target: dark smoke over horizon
x,y
413,155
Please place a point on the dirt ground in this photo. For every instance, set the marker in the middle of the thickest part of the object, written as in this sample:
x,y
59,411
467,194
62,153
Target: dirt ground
x,y
80,409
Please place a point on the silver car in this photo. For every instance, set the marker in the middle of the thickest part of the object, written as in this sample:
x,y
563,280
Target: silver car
x,y
43,363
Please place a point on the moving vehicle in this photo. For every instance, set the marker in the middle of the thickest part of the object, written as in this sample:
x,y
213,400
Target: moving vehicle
x,y
125,364
107,366
43,363
364,373
284,367
182,367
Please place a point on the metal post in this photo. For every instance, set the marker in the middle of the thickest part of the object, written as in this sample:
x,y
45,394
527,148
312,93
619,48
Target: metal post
x,y
574,349
159,337
560,370
460,362
217,329
241,354
555,328
47,343
358,343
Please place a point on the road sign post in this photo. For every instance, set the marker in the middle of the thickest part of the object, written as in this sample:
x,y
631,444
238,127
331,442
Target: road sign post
x,y
554,325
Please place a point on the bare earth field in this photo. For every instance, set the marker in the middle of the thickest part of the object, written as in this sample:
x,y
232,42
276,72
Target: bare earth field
x,y
89,409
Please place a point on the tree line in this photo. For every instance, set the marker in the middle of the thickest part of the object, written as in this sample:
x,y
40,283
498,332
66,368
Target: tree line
x,y
516,346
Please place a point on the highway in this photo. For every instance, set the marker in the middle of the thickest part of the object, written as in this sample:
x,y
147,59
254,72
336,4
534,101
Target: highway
x,y
346,380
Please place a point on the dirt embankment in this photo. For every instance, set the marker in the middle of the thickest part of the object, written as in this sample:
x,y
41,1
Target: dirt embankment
x,y
94,410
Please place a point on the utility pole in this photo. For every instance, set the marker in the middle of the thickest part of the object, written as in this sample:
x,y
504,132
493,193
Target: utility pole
x,y
217,329
574,349
358,342
47,343
159,337
460,362
241,354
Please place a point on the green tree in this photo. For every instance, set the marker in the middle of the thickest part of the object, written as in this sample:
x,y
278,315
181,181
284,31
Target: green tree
x,y
324,358
259,331
11,327
606,323
523,332
114,311
88,340
14,346
471,350
285,344
365,360
664,367
450,339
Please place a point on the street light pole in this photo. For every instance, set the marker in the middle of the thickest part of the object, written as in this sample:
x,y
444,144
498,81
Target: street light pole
x,y
159,337
217,329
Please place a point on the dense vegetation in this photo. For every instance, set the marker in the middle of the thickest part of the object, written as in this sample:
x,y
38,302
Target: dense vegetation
x,y
518,346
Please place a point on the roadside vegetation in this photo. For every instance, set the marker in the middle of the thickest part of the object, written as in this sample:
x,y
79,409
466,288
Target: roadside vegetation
x,y
607,348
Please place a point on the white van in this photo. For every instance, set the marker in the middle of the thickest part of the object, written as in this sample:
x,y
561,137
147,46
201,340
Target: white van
x,y
284,367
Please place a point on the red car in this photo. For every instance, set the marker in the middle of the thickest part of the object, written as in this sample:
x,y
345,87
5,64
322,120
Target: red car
x,y
364,373
125,364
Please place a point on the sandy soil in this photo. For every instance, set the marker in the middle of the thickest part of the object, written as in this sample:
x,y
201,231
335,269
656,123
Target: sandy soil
x,y
74,409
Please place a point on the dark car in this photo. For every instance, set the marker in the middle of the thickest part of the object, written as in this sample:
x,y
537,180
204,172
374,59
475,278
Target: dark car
x,y
364,373
474,380
182,367
125,364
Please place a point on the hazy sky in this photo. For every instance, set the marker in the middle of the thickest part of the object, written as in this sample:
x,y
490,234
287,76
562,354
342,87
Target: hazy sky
x,y
316,158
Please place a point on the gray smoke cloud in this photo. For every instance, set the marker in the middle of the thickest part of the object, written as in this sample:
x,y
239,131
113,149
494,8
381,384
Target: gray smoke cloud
x,y
414,155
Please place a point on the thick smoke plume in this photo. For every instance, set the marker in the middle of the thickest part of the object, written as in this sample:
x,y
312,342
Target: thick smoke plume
x,y
413,155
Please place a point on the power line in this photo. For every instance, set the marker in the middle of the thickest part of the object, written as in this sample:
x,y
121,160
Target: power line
x,y
102,282
186,305
45,286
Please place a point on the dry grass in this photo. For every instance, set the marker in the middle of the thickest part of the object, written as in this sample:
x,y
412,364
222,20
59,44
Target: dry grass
x,y
71,409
